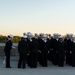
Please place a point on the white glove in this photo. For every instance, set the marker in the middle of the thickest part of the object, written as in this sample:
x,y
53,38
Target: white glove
x,y
4,61
13,47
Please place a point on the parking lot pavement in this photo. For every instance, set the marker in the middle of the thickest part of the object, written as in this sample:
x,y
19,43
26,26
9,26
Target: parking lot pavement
x,y
50,70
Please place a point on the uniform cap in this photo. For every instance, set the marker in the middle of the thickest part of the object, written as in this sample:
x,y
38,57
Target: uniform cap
x,y
10,35
61,36
41,34
69,34
44,35
56,34
24,36
73,36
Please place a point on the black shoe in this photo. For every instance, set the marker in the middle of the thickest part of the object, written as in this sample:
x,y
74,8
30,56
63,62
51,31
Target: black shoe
x,y
61,66
9,67
23,68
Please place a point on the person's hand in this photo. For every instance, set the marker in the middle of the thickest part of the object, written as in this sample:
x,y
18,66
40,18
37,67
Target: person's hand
x,y
70,52
39,51
48,51
27,54
13,47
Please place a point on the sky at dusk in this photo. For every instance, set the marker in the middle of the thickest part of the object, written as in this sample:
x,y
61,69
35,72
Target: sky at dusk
x,y
46,16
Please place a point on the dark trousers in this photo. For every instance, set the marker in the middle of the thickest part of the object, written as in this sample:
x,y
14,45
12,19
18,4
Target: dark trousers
x,y
28,60
40,58
61,58
68,58
22,60
50,56
55,58
44,59
73,59
7,54
33,60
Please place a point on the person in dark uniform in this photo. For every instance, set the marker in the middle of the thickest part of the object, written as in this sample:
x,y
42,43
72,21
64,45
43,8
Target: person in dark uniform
x,y
54,42
23,50
61,48
40,54
44,48
73,51
50,53
7,50
34,48
36,36
68,51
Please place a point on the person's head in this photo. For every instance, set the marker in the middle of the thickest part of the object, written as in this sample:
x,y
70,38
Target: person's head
x,y
10,36
45,37
56,35
69,36
30,35
24,33
24,37
73,37
41,35
36,35
61,38
49,35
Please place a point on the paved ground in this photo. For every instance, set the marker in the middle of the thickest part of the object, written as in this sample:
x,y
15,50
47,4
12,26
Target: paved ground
x,y
3,44
50,70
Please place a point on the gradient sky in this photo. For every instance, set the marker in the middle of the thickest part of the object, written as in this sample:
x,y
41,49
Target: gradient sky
x,y
48,16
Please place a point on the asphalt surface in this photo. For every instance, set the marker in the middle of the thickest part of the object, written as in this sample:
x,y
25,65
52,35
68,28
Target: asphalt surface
x,y
50,70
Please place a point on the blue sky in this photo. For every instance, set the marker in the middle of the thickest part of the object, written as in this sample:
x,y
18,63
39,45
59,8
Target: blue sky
x,y
48,16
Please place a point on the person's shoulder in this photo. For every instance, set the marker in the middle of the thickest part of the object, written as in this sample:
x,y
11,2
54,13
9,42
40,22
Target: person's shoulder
x,y
9,41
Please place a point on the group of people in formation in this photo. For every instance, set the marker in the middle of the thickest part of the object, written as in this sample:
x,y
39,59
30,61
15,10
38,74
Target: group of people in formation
x,y
42,48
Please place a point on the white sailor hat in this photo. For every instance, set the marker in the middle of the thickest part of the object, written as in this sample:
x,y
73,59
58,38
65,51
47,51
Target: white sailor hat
x,y
56,34
24,36
44,35
10,35
28,33
73,36
69,34
41,34
61,37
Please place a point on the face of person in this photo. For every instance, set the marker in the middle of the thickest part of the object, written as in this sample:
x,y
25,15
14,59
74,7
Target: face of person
x,y
56,36
45,38
61,39
69,37
73,39
10,38
49,36
36,36
41,36
30,37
